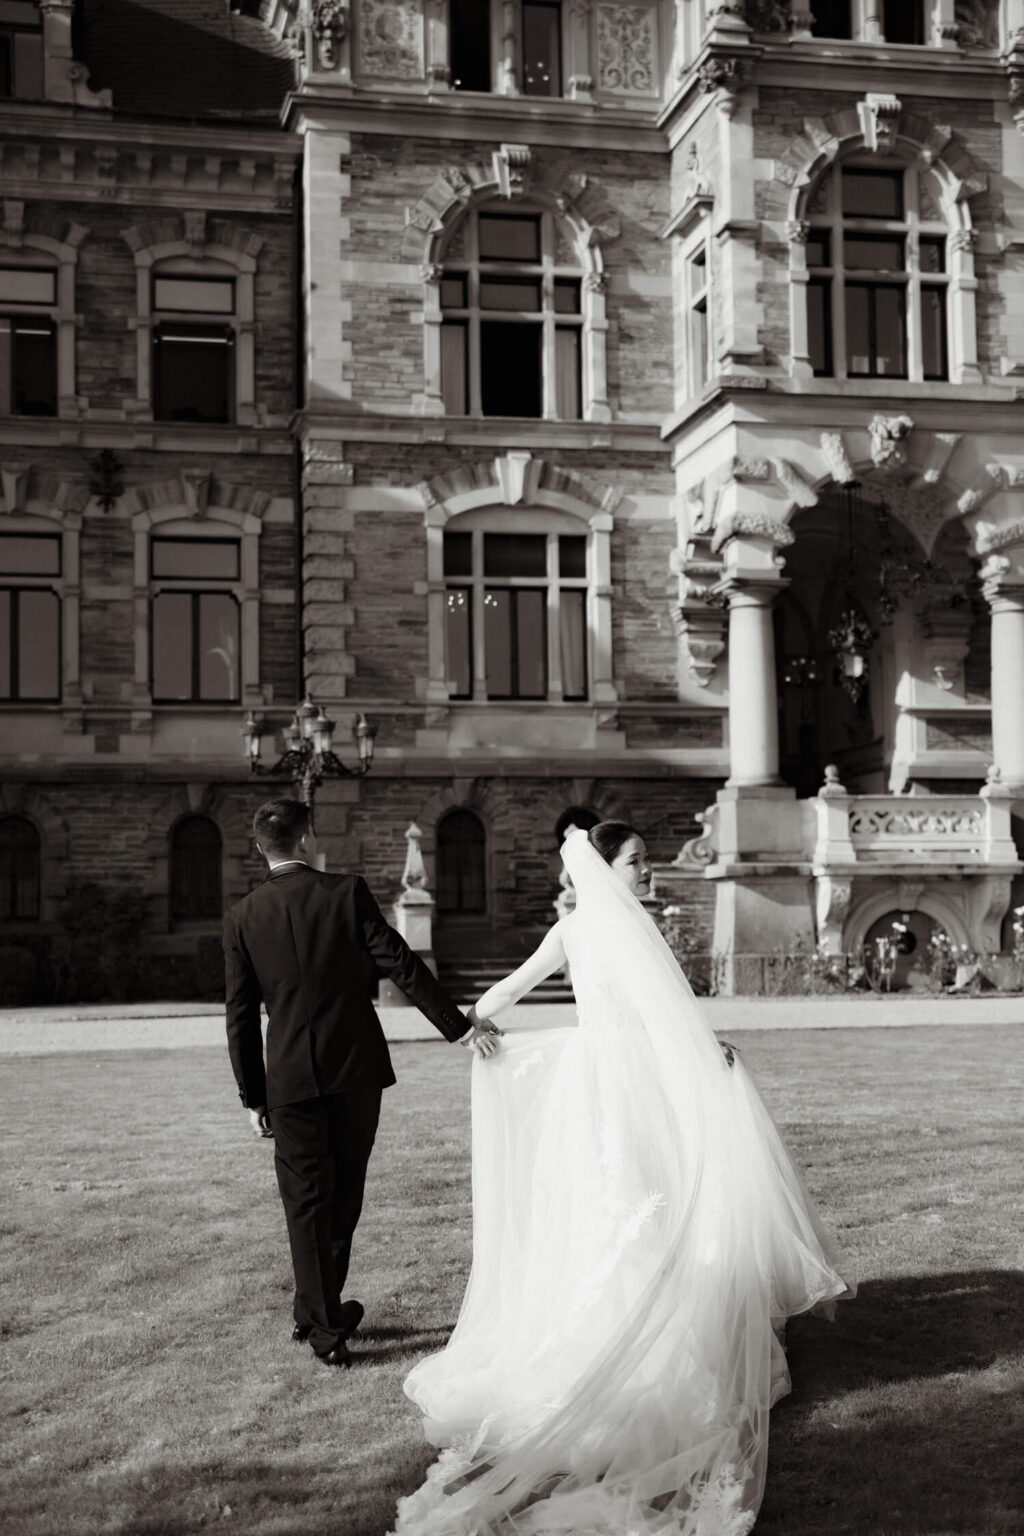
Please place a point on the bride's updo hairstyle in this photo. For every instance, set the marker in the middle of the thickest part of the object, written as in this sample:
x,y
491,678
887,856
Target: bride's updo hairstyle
x,y
609,837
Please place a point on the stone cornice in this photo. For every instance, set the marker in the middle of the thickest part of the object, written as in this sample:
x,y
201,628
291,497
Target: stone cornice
x,y
542,437
35,435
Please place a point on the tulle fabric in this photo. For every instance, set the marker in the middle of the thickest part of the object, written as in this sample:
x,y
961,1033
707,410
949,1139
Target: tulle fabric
x,y
639,1235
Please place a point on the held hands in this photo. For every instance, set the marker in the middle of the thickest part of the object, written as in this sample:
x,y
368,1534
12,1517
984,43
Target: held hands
x,y
259,1119
483,1037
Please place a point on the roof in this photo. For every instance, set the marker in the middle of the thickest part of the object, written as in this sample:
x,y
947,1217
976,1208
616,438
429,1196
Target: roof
x,y
183,59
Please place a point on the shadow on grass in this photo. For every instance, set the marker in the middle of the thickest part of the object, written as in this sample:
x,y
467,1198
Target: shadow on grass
x,y
906,1415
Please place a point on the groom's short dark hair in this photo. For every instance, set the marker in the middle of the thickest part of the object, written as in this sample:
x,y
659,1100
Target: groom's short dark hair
x,y
279,824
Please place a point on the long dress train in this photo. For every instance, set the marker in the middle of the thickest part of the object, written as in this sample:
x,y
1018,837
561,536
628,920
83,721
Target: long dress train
x,y
640,1234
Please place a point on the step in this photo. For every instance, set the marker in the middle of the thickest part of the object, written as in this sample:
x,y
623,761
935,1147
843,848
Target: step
x,y
466,981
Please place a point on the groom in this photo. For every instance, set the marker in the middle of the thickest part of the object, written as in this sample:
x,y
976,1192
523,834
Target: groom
x,y
302,943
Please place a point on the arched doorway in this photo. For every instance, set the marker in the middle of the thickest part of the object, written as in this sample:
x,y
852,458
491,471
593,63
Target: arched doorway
x,y
196,871
19,870
461,880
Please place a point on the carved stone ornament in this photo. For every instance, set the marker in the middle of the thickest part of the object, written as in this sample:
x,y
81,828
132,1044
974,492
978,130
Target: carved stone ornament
x,y
699,851
880,120
14,480
888,441
431,272
391,39
724,74
330,26
626,43
963,239
512,164
13,232
834,453
797,231
414,875
699,185
800,491
195,230
990,538
977,23
768,15
832,902
753,525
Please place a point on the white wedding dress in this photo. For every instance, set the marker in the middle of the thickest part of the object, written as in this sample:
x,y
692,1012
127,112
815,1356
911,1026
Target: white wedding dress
x,y
639,1234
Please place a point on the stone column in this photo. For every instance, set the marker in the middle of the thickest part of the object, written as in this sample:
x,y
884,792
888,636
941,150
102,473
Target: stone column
x,y
753,702
1007,605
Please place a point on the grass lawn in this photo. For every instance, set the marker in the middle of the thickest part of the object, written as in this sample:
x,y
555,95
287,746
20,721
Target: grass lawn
x,y
149,1385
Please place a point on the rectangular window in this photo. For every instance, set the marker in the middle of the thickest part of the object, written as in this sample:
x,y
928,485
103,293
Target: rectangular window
x,y
29,644
469,32
515,634
903,21
819,325
21,53
459,641
454,372
29,554
194,295
542,48
513,293
873,194
568,373
572,624
28,366
832,18
27,285
515,554
195,647
510,369
509,237
193,373
215,559
876,331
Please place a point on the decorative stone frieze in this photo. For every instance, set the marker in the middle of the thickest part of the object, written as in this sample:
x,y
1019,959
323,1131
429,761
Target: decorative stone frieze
x,y
889,446
880,121
837,460
627,49
329,24
391,39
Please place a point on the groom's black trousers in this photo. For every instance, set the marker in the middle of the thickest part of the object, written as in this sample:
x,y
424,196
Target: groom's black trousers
x,y
321,1149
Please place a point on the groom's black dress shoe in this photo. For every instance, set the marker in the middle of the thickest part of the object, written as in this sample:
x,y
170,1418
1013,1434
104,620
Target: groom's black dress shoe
x,y
339,1355
351,1316
300,1333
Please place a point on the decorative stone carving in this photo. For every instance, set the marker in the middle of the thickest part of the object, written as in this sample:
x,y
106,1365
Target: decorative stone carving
x,y
797,231
832,895
391,39
195,485
768,15
511,168
751,469
195,230
330,27
626,39
701,634
595,282
888,441
518,475
989,538
789,477
721,73
977,23
699,185
13,231
699,851
836,459
753,525
14,486
431,272
833,786
880,120
819,198
963,240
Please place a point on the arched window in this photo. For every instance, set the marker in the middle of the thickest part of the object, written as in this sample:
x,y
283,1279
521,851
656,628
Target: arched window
x,y
878,263
511,318
19,870
461,863
196,857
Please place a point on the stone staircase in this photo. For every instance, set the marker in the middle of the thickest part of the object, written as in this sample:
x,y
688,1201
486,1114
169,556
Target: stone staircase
x,y
467,979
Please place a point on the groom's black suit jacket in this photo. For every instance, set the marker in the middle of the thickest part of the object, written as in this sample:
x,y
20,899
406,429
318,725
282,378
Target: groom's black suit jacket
x,y
299,942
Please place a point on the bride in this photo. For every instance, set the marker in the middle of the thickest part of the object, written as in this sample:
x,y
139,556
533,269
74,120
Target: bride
x,y
640,1236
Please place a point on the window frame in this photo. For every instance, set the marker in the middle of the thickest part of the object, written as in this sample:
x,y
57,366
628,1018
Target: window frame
x,y
14,311
867,25
12,919
471,317
837,279
206,327
190,920
195,588
507,75
18,582
477,585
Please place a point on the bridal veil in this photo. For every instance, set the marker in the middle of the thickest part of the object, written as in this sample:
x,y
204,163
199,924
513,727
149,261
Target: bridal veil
x,y
640,1234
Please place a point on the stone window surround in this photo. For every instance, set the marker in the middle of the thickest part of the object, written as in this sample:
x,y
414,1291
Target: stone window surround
x,y
543,511
867,22
216,523
37,517
195,260
41,253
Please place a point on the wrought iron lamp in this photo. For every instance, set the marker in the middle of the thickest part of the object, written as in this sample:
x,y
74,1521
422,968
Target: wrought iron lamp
x,y
851,640
309,757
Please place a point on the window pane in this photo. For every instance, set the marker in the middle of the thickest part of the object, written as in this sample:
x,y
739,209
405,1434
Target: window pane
x,y
508,238
454,381
522,293
873,194
572,555
461,863
192,374
498,643
218,646
34,368
28,66
890,331
38,645
832,19
568,373
214,558
933,255
819,326
515,554
699,351
531,643
172,645
542,49
28,555
904,21
20,285
459,641
200,295
469,31
933,332
858,335
453,291
572,624
510,380
6,604
458,554
865,252
567,296
818,248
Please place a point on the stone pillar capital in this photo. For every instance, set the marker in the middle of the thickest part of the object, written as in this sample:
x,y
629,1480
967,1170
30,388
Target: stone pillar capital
x,y
739,590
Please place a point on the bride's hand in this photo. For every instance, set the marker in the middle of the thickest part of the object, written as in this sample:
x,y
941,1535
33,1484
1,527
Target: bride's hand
x,y
730,1052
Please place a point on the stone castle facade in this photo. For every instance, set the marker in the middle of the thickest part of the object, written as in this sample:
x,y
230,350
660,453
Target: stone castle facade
x,y
616,403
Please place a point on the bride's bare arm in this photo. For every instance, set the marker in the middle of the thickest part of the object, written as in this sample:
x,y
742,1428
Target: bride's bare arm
x,y
549,956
